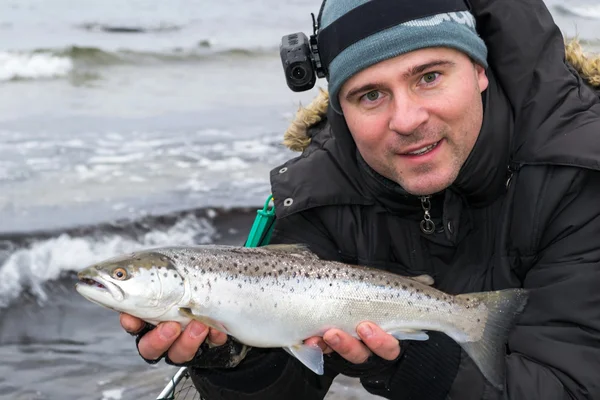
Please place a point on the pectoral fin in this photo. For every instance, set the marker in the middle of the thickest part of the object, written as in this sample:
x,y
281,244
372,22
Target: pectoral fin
x,y
424,279
311,356
186,311
407,334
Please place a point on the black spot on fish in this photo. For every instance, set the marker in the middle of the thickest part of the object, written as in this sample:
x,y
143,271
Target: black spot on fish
x,y
334,276
419,297
175,256
195,288
353,275
318,276
428,296
221,266
397,284
275,305
256,269
174,275
411,285
166,274
245,268
306,274
418,290
152,274
152,280
239,285
410,303
235,264
262,289
478,319
387,282
280,272
331,284
361,277
404,287
193,258
292,290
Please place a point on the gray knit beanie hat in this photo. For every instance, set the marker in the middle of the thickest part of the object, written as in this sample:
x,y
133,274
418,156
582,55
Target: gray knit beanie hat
x,y
381,31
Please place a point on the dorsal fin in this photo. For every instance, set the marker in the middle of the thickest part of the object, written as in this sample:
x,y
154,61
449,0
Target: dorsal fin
x,y
298,249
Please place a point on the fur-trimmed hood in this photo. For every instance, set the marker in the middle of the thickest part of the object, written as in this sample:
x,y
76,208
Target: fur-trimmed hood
x,y
296,137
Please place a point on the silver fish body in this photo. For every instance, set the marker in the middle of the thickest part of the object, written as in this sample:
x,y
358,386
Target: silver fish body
x,y
278,296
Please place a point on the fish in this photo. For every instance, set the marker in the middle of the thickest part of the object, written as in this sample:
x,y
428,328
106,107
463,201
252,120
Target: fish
x,y
277,296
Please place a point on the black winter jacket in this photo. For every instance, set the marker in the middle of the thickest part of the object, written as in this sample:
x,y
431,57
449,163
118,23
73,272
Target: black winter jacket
x,y
524,212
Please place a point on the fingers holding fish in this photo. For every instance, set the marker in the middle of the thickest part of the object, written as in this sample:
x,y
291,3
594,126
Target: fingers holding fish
x,y
346,346
185,347
131,324
156,342
379,342
216,337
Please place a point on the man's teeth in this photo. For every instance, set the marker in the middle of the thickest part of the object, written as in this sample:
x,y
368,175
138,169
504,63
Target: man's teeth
x,y
423,150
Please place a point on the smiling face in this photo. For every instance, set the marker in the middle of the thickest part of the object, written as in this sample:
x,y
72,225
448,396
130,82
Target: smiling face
x,y
416,117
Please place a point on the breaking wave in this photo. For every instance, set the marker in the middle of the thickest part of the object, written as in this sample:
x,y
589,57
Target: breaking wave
x,y
61,63
583,11
18,66
29,262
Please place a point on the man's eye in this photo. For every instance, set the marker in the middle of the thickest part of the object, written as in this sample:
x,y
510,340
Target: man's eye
x,y
372,96
430,77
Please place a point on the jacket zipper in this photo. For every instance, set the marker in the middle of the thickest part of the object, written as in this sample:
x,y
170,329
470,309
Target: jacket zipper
x,y
427,225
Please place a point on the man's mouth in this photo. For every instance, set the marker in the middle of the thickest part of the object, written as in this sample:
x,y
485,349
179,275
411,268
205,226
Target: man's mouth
x,y
423,150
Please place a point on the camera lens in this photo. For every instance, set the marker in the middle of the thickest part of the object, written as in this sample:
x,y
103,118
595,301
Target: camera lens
x,y
298,72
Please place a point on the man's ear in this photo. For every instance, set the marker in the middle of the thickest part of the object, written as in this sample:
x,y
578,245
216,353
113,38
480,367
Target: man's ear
x,y
482,78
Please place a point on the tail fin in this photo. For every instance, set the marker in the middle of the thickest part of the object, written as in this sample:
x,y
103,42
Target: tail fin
x,y
489,352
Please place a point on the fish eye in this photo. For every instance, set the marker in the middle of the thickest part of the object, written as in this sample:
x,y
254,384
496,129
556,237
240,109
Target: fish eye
x,y
120,273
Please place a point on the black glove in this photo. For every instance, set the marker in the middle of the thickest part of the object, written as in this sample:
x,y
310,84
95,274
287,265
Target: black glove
x,y
426,370
228,355
374,365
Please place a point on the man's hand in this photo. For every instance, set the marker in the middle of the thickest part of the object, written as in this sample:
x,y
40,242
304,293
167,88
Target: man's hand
x,y
374,340
182,346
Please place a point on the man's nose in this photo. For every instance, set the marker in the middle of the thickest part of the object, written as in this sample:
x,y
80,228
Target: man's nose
x,y
408,114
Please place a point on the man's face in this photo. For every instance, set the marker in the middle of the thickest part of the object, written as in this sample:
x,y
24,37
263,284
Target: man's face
x,y
415,118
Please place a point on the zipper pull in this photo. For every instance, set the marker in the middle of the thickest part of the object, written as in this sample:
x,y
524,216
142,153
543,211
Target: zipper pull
x,y
427,225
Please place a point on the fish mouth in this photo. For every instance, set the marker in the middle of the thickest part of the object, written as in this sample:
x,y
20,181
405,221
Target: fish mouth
x,y
92,282
94,286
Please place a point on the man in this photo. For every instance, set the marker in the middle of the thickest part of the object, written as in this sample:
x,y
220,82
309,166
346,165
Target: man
x,y
478,165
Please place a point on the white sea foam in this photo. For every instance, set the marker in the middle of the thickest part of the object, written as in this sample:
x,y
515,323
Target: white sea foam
x,y
45,260
113,394
591,11
33,66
